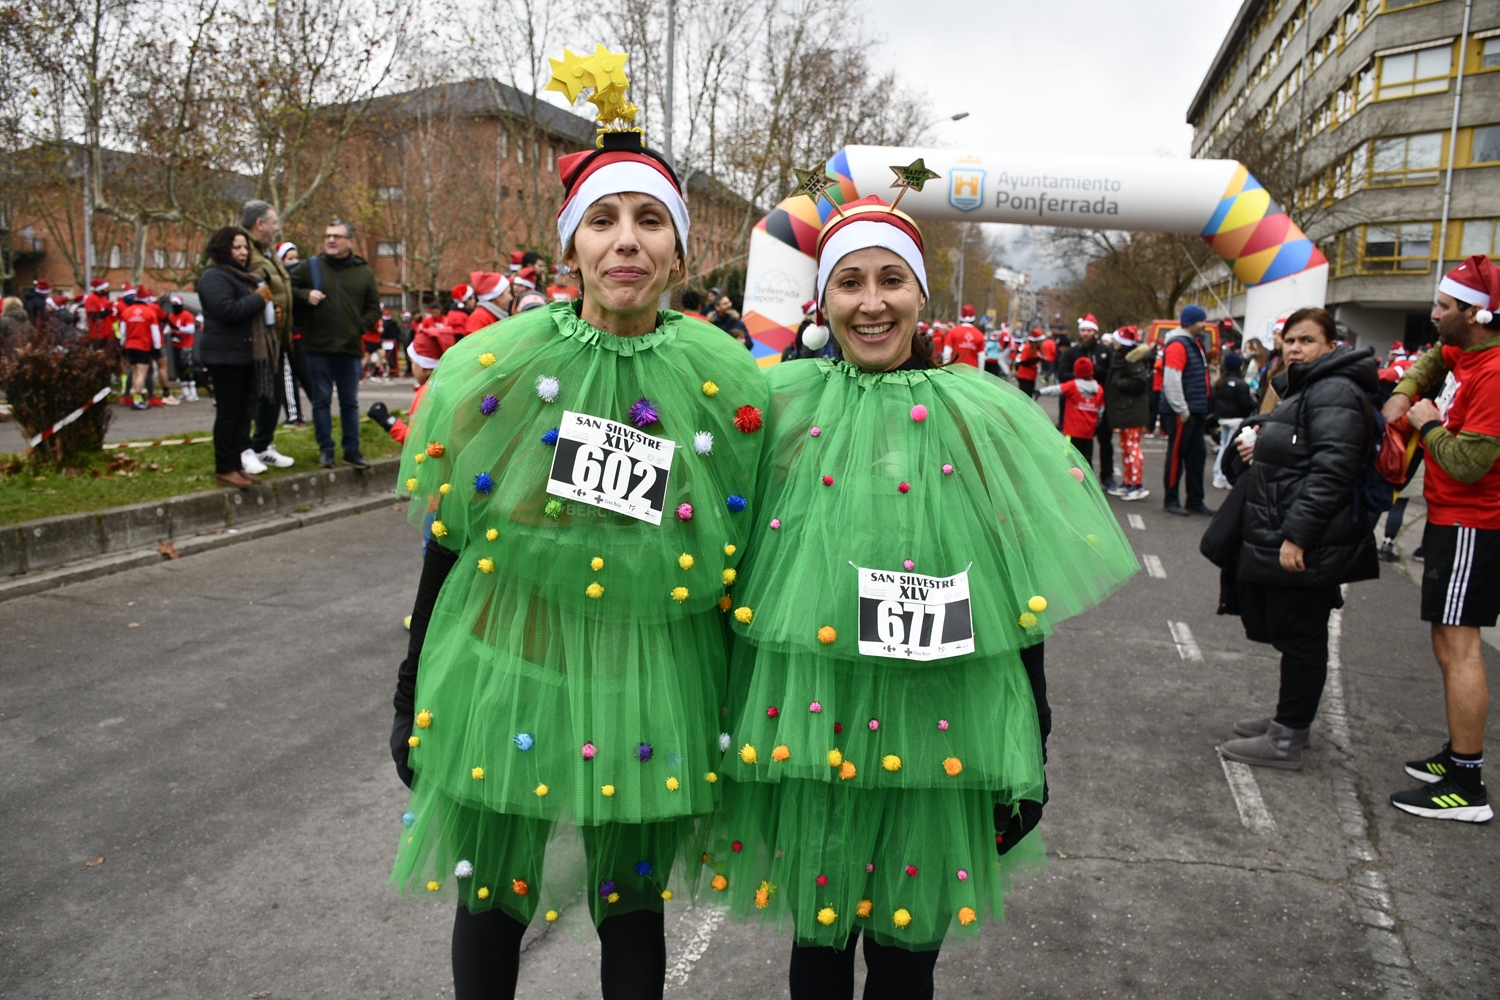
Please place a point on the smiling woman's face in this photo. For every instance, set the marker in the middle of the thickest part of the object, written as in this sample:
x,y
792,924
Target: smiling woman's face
x,y
624,252
872,301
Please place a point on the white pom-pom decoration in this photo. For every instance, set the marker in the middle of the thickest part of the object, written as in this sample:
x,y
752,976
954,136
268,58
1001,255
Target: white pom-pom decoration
x,y
463,869
724,742
703,443
814,337
1483,317
547,387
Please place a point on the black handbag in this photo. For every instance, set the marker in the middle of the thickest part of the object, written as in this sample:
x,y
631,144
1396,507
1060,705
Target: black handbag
x,y
1221,541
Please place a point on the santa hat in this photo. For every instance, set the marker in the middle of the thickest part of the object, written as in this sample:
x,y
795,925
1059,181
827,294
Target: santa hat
x,y
621,164
1037,333
128,294
515,260
869,222
283,248
461,292
1129,335
1083,368
144,294
966,313
526,277
1475,282
98,286
1279,325
1088,322
42,285
809,307
488,284
425,349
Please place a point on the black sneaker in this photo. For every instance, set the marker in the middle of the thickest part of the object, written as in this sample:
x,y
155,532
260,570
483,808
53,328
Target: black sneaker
x,y
1173,508
325,461
1434,768
1201,508
1416,553
358,461
1387,551
1445,800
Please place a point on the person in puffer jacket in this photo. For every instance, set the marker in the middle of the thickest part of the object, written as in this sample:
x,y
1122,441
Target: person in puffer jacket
x,y
1302,534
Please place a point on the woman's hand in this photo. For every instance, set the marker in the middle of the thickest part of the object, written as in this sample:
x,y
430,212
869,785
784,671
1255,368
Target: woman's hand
x,y
1291,556
264,291
1245,445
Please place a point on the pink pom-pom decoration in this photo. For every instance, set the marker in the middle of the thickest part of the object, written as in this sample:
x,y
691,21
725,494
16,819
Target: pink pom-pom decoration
x,y
775,523
815,431
919,413
815,707
874,724
904,488
947,470
943,725
1076,473
909,564
685,512
963,876
869,867
589,751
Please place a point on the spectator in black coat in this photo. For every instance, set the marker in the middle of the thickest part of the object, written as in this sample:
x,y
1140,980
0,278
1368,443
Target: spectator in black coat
x,y
233,301
1301,535
1230,402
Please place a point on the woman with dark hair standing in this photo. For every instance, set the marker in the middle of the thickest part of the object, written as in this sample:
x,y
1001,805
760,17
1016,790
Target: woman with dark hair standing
x,y
1302,533
234,352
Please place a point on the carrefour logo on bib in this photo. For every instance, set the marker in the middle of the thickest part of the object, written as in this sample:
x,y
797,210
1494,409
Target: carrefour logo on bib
x,y
966,189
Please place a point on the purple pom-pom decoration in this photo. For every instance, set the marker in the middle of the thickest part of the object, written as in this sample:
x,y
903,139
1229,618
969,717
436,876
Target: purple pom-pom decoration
x,y
489,405
735,503
643,413
644,752
550,438
606,887
483,483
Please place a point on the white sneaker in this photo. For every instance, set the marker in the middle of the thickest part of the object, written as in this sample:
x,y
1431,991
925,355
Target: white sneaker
x,y
250,463
273,457
1221,483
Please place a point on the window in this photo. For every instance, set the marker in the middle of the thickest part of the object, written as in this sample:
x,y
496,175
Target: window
x,y
1486,145
1398,4
390,249
1411,73
1405,246
389,194
158,259
551,156
521,153
179,259
1489,53
114,256
1406,159
1478,237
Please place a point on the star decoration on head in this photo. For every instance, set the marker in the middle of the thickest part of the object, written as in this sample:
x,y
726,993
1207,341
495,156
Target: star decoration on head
x,y
569,76
608,71
911,177
814,184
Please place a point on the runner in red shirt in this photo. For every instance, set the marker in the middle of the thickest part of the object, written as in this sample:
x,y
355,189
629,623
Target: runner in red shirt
x,y
458,317
142,344
101,314
964,343
1030,357
1083,401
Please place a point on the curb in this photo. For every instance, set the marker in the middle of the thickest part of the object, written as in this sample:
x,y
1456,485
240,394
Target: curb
x,y
51,552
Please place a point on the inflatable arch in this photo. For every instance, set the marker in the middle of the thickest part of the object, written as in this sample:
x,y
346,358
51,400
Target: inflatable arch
x,y
1215,199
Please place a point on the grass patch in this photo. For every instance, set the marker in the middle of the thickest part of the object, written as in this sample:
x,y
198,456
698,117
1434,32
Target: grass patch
x,y
135,475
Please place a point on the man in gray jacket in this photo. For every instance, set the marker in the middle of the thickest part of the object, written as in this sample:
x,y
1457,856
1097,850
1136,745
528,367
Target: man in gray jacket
x,y
338,301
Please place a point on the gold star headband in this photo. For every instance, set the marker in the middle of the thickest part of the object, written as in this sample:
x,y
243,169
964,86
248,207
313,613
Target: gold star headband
x,y
912,177
604,71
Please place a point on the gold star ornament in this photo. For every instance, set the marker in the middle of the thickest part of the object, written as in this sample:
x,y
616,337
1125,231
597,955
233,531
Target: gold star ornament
x,y
568,75
911,177
815,184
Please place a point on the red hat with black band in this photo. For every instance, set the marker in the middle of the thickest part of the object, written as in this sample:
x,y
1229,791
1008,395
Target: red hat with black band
x,y
1475,282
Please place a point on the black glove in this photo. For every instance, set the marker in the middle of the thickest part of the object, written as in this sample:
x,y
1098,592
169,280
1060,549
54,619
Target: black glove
x,y
382,416
436,564
1013,824
401,731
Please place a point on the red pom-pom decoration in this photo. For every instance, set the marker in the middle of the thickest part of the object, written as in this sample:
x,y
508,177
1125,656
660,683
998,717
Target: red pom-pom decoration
x,y
821,880
772,712
827,480
736,847
747,419
904,488
838,727
911,870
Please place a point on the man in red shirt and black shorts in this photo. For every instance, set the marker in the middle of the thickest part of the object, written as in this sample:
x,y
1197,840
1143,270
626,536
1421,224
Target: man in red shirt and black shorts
x,y
1461,543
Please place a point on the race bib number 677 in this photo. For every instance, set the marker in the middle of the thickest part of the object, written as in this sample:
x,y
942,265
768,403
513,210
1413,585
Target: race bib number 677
x,y
611,465
909,616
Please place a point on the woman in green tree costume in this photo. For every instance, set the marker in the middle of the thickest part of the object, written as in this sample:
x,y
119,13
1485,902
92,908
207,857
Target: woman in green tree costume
x,y
585,471
919,531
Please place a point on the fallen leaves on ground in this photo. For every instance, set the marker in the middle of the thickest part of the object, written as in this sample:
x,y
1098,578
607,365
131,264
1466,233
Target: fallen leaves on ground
x,y
168,549
93,864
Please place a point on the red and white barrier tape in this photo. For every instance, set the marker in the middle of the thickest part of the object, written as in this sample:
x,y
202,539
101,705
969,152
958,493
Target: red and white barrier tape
x,y
65,421
112,445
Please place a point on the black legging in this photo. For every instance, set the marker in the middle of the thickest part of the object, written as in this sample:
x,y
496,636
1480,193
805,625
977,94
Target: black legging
x,y
890,972
487,955
234,403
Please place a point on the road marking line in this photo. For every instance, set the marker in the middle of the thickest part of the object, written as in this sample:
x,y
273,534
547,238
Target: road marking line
x,y
1136,521
1187,646
678,974
1253,812
1154,567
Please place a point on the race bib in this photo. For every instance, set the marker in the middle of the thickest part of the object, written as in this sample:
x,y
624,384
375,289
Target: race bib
x,y
611,465
908,616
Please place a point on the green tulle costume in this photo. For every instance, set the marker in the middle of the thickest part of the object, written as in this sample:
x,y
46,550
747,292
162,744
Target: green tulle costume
x,y
859,789
573,675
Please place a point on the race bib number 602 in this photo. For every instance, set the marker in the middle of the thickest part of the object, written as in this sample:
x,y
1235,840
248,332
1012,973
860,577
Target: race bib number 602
x,y
908,616
610,465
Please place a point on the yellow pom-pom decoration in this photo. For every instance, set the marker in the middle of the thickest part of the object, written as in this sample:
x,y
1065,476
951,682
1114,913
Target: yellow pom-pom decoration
x,y
419,457
725,603
744,615
729,549
542,790
486,565
1037,604
847,770
1027,620
711,777
827,634
445,489
891,762
439,529
486,359
551,916
826,916
414,741
747,754
865,908
492,534
1091,539
953,767
666,894
594,590
901,917
613,897
967,916
730,575
608,791
596,564
433,886
424,719
835,757
411,485
720,883
673,784
679,594
483,893
709,389
781,754
685,561
477,773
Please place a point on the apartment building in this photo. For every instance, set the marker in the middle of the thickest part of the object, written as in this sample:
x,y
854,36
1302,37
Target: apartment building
x,y
1376,123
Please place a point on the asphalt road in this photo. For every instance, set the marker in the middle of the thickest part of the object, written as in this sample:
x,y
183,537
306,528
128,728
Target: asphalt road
x,y
215,730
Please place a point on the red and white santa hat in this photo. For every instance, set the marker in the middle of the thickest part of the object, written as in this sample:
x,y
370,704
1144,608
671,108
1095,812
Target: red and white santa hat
x,y
282,249
43,285
1037,333
621,164
526,277
809,307
488,284
869,222
425,349
461,293
515,259
1088,322
1128,335
1475,282
967,314
98,286
1279,325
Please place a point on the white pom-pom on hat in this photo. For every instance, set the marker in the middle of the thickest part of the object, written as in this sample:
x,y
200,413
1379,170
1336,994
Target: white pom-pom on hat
x,y
1483,317
548,387
703,443
814,337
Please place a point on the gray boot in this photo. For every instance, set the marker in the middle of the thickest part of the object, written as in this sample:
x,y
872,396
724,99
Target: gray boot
x,y
1255,727
1277,747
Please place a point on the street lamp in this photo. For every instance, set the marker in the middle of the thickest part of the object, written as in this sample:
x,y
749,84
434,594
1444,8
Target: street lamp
x,y
947,118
